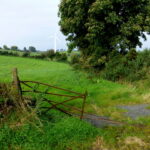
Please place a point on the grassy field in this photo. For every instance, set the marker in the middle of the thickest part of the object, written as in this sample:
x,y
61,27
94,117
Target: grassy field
x,y
63,132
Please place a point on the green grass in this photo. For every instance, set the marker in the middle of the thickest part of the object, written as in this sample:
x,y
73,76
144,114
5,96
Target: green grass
x,y
59,133
65,132
101,93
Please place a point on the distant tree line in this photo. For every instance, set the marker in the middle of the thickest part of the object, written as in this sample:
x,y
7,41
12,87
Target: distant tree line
x,y
16,48
46,55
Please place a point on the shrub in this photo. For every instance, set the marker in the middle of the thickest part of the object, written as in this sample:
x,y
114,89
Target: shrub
x,y
74,58
61,56
6,53
121,67
132,54
144,57
14,48
5,47
50,54
41,56
16,54
32,49
26,54
57,56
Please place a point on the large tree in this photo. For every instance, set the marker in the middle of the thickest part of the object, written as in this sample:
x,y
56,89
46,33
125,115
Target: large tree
x,y
5,47
32,49
14,48
101,26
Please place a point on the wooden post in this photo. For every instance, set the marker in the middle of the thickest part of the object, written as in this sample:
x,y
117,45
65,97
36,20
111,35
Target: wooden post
x,y
16,83
83,105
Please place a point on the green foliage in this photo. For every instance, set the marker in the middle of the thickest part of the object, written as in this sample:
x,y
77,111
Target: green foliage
x,y
26,54
50,54
132,54
14,48
59,133
95,62
63,57
5,47
104,25
71,46
8,53
134,66
75,58
32,49
60,56
144,57
25,49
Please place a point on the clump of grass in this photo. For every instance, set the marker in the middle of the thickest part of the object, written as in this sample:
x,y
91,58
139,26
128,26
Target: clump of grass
x,y
15,110
148,107
59,133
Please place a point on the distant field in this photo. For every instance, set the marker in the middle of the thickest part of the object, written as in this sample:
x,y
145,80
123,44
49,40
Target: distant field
x,y
103,97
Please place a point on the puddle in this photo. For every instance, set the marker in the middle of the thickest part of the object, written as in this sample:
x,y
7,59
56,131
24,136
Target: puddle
x,y
136,111
99,121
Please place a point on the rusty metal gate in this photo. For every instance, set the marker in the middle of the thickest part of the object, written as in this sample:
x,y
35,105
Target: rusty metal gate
x,y
52,104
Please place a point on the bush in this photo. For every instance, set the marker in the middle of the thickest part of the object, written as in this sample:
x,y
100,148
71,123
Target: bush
x,y
14,48
50,54
60,56
74,58
41,56
5,47
63,57
121,67
6,53
26,54
144,57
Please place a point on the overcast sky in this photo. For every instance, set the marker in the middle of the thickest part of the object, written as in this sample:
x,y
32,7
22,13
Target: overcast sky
x,y
31,23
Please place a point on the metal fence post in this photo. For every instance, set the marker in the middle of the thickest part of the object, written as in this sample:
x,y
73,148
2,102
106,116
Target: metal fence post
x,y
16,83
83,105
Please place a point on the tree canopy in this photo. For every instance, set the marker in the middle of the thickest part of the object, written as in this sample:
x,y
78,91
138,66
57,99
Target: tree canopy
x,y
32,49
14,48
101,26
5,47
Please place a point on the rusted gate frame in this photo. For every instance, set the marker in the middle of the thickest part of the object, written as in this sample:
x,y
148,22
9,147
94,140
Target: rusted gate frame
x,y
54,106
35,91
62,103
47,93
50,101
19,92
51,86
60,109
